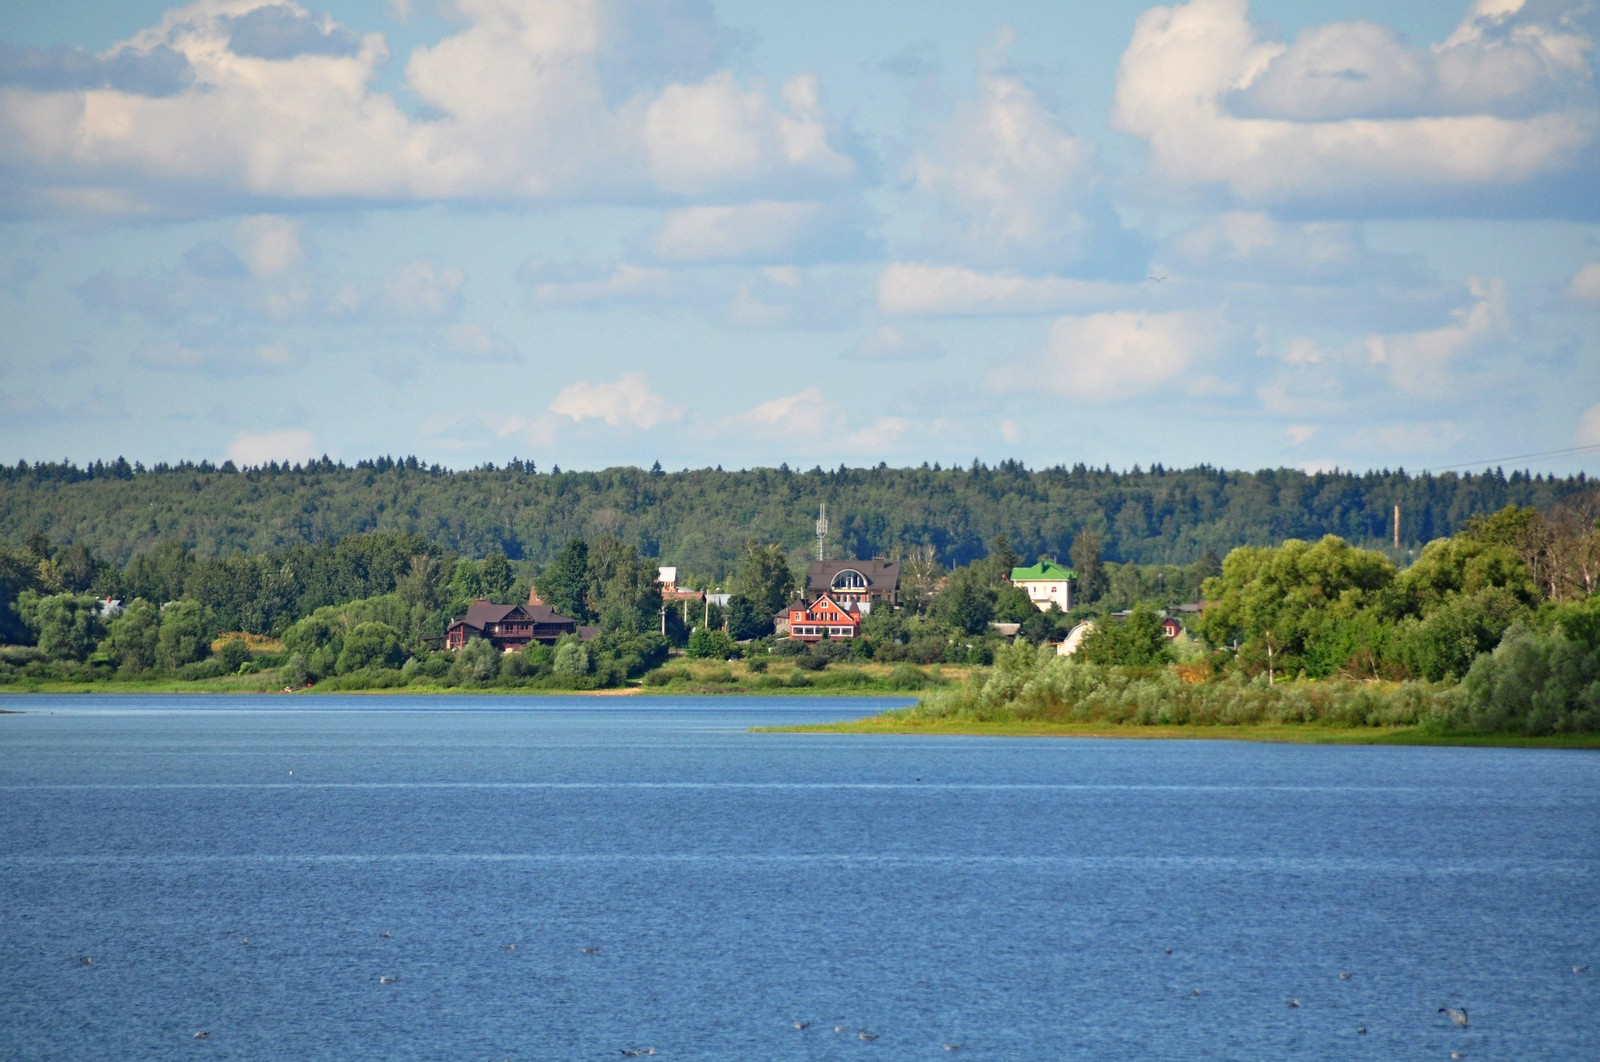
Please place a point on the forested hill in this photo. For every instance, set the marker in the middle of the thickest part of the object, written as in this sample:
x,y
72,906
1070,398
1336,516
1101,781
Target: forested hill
x,y
698,519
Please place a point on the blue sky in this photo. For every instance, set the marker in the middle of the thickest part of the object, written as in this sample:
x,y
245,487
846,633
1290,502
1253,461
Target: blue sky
x,y
1308,234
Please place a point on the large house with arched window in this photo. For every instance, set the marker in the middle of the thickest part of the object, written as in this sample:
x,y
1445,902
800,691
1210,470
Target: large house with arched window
x,y
858,585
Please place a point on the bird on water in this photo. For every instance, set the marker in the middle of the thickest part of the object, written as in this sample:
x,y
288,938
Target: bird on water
x,y
1457,1016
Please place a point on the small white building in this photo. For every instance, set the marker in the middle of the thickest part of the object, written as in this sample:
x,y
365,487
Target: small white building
x,y
1046,583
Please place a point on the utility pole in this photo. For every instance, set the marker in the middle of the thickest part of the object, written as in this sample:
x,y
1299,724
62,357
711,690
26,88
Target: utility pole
x,y
1397,529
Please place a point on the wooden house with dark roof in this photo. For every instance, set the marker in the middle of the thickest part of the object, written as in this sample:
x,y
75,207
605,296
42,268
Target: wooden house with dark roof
x,y
511,627
855,582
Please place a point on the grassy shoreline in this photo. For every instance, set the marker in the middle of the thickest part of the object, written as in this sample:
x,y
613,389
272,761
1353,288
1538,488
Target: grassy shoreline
x,y
1273,733
679,677
229,687
894,722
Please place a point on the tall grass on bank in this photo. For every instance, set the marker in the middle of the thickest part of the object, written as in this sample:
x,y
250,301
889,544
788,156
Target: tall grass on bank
x,y
1036,686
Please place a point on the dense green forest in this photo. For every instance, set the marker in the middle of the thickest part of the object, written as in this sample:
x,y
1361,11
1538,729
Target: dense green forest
x,y
699,519
1487,617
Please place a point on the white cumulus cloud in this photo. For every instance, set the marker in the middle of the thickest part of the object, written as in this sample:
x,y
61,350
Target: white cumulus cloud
x,y
1124,355
795,414
294,445
1348,118
474,342
626,401
422,289
1587,432
705,138
278,104
554,285
890,343
1005,183
1584,290
1433,363
922,289
763,231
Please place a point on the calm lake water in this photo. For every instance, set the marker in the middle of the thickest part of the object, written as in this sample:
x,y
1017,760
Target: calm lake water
x,y
572,878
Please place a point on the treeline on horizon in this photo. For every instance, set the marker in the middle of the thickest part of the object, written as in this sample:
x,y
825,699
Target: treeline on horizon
x,y
699,519
1493,629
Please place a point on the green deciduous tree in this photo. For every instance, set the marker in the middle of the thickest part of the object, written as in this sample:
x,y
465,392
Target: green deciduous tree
x,y
571,659
709,645
1444,643
495,577
623,592
1463,564
1136,641
18,572
1280,600
476,664
368,645
133,636
65,626
185,635
159,573
1536,682
233,654
765,579
745,620
967,602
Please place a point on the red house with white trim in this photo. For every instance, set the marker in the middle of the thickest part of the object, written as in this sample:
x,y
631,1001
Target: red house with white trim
x,y
824,617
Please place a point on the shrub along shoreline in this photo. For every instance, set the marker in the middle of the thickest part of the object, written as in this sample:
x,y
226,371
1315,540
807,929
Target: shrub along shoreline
x,y
1033,692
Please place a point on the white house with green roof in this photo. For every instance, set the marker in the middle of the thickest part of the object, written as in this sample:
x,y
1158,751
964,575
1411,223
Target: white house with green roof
x,y
1046,583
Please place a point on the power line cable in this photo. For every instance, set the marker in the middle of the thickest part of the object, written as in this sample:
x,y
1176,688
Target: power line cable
x,y
1486,462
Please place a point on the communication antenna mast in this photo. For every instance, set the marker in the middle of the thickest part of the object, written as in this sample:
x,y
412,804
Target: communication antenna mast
x,y
822,529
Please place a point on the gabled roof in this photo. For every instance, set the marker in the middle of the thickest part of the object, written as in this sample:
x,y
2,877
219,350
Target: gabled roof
x,y
482,613
546,614
1043,571
827,601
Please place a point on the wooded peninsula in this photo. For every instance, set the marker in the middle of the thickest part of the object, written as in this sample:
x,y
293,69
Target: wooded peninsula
x,y
1381,603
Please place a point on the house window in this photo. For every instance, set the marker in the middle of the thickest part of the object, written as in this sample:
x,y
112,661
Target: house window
x,y
850,579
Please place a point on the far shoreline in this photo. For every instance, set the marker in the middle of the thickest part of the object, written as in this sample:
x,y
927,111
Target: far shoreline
x,y
1268,733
